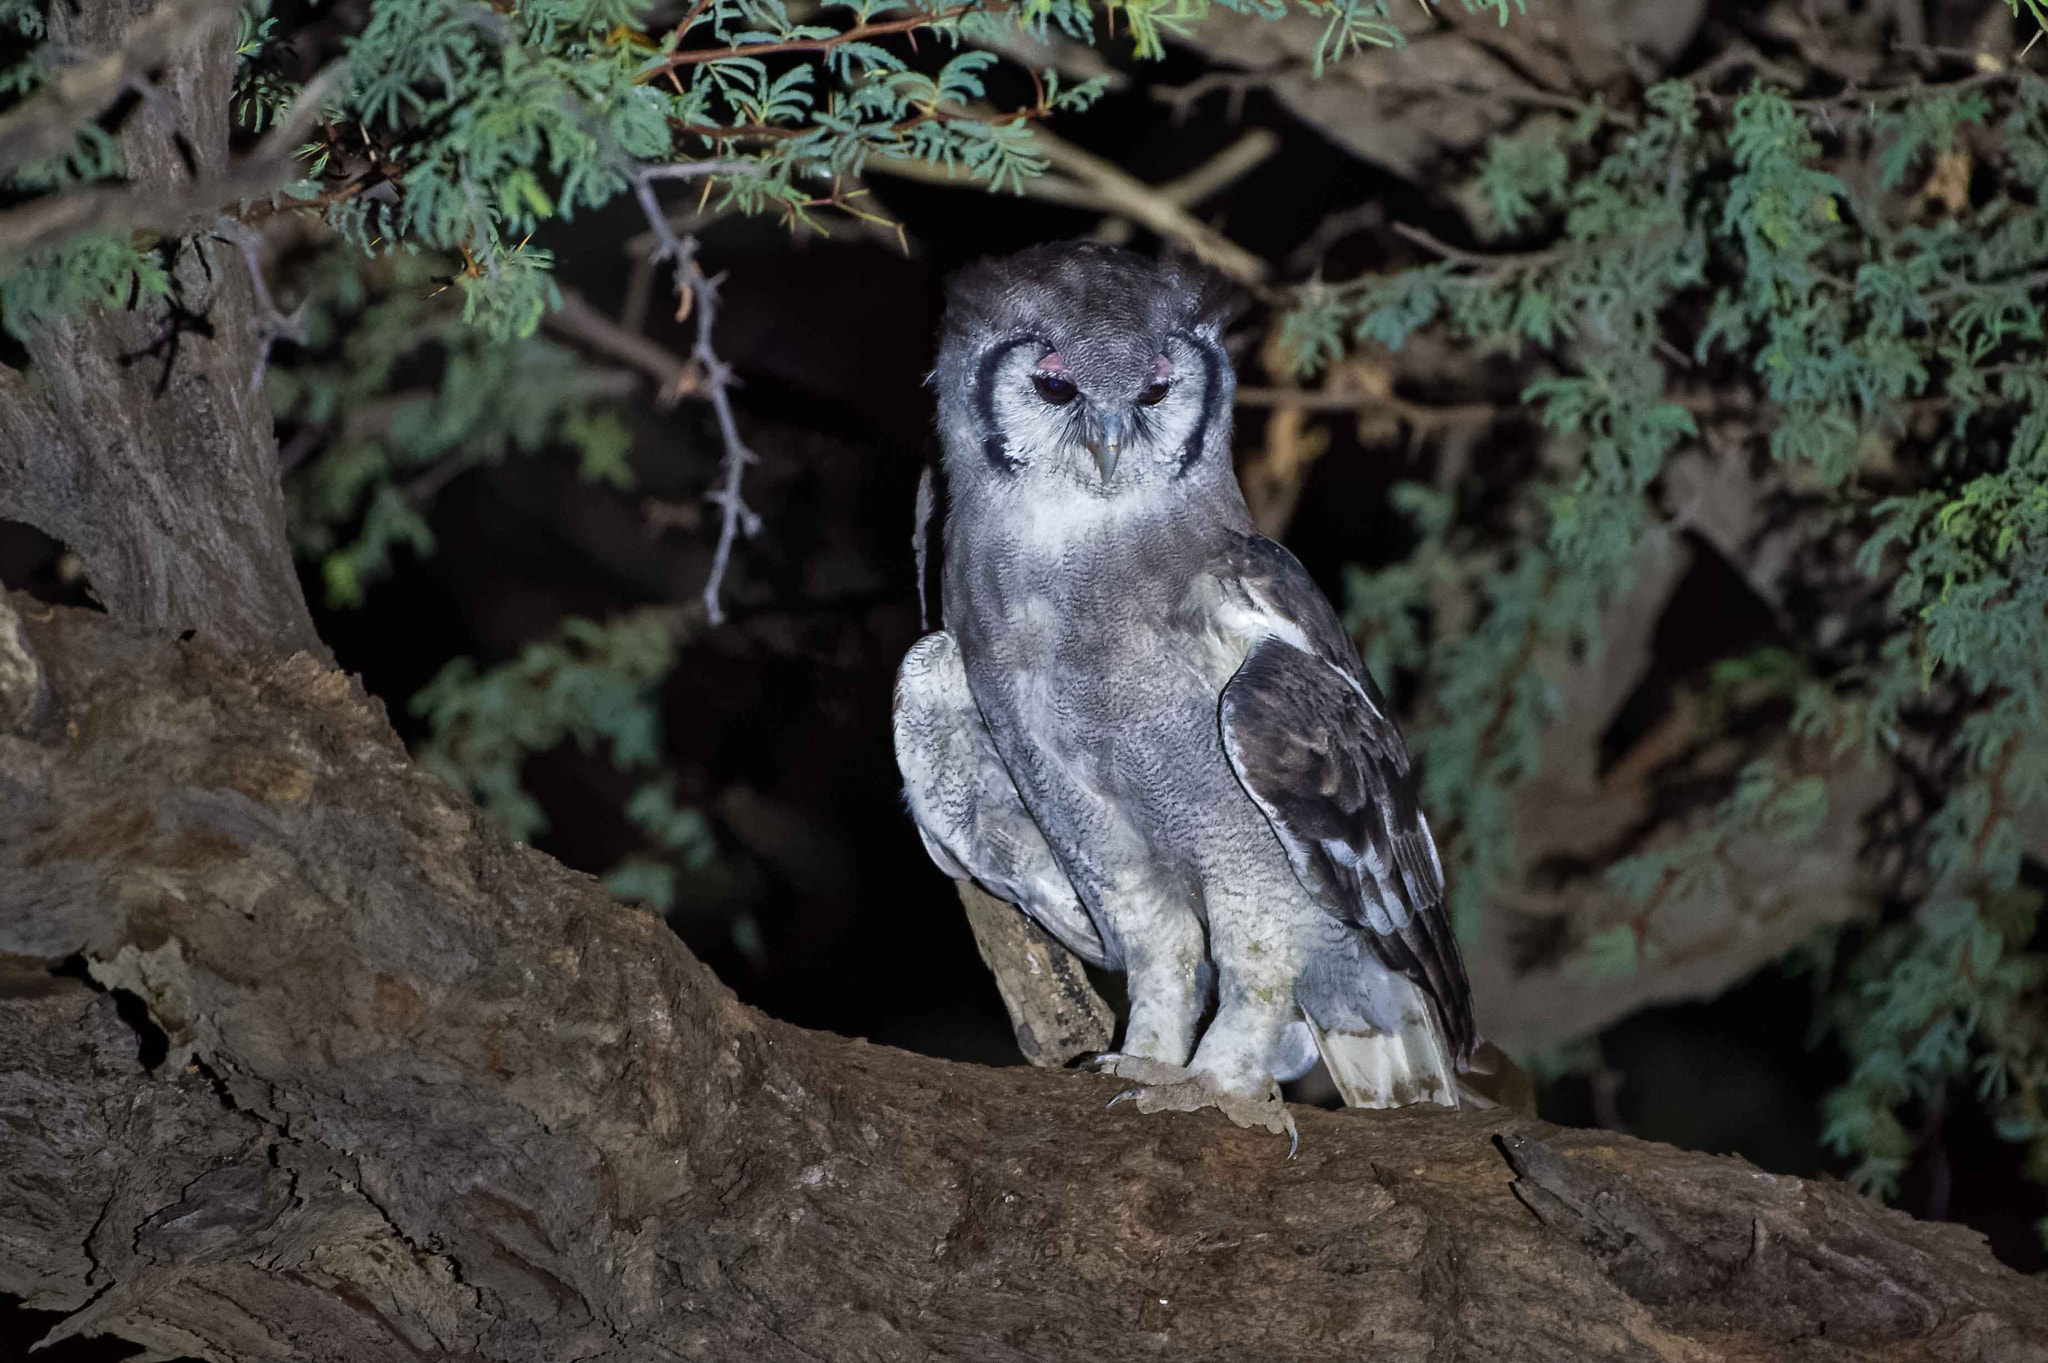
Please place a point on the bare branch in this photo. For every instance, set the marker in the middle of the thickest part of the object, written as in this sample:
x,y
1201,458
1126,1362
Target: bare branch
x,y
272,325
695,289
1505,263
1212,177
1089,181
674,377
1055,1012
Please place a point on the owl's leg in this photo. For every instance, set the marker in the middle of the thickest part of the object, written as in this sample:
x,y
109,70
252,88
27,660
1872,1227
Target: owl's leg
x,y
1261,945
1163,963
1248,1038
1232,1069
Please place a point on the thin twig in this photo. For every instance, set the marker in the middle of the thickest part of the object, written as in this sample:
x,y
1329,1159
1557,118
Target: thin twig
x,y
639,295
689,22
1210,178
1089,181
1139,202
698,291
1223,169
674,377
1305,258
271,324
1528,260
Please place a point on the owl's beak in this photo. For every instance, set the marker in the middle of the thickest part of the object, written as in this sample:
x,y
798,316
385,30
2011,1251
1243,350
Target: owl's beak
x,y
1105,448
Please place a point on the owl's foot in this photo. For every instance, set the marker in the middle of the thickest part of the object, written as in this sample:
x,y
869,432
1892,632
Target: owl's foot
x,y
1171,1088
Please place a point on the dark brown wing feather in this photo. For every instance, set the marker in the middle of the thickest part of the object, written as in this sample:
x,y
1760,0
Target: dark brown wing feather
x,y
1309,736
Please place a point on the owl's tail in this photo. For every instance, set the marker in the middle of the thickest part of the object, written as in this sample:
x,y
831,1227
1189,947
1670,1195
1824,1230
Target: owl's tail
x,y
1391,1068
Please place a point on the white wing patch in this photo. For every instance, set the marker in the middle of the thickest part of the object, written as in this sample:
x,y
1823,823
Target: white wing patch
x,y
1289,633
1234,619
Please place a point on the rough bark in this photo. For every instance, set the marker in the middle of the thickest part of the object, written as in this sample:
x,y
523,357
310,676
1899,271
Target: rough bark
x,y
408,1090
139,436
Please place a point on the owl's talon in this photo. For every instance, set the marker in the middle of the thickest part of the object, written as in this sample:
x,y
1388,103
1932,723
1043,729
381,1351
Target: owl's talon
x,y
1170,1088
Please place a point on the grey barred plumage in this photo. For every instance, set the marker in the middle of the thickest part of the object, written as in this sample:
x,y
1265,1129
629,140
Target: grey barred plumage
x,y
1143,723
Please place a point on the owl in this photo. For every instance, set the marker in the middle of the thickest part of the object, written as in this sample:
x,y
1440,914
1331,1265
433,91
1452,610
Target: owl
x,y
1142,722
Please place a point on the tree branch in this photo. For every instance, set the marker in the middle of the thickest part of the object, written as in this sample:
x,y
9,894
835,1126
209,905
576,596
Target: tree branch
x,y
134,435
695,289
1054,1010
1088,181
419,1092
674,377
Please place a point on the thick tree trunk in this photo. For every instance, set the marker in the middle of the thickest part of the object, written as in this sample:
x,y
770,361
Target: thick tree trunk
x,y
140,437
406,1090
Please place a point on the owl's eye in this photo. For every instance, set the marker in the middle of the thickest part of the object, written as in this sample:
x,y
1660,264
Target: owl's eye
x,y
1152,396
1054,389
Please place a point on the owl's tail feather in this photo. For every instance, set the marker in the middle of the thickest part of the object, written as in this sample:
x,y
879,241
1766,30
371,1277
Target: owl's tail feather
x,y
1392,1069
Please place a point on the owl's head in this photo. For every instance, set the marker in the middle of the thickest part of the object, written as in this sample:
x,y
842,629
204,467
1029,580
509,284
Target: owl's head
x,y
1077,368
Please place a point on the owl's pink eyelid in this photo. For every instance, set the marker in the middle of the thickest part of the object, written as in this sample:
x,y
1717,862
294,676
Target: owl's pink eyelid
x,y
1051,363
1162,369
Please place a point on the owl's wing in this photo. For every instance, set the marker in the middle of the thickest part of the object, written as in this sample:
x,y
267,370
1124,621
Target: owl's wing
x,y
966,807
1310,739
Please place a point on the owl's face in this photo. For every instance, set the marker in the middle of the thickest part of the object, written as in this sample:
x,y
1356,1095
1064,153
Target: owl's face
x,y
1078,371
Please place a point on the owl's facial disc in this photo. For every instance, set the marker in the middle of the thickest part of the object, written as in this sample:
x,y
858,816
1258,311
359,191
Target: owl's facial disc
x,y
1108,413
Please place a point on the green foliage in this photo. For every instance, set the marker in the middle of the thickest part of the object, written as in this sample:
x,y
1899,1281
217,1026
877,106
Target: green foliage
x,y
23,18
1853,306
388,442
261,91
99,269
93,269
597,686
